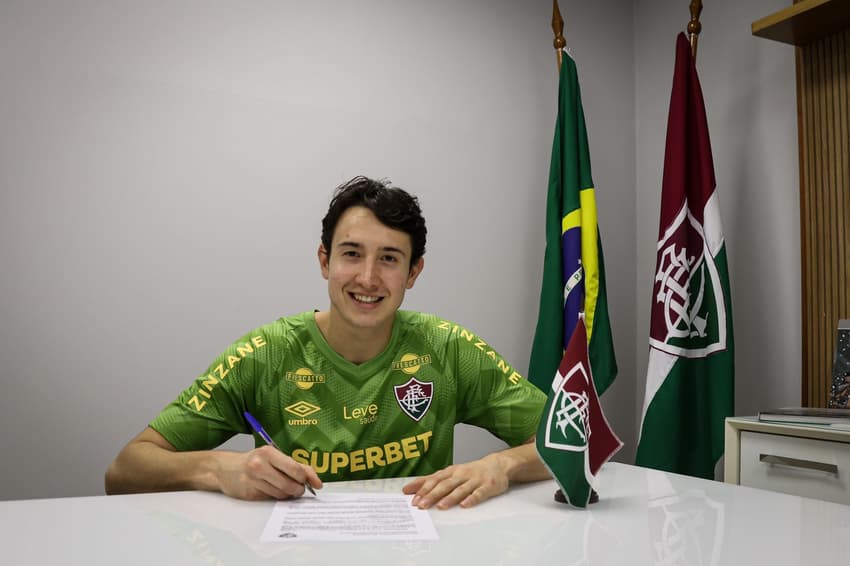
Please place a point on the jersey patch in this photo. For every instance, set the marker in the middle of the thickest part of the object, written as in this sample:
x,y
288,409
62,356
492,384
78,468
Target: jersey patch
x,y
414,397
304,378
410,363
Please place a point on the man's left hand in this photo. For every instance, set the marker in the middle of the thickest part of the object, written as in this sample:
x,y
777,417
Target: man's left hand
x,y
471,483
460,484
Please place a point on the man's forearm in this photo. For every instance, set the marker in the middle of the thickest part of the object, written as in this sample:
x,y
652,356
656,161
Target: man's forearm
x,y
144,466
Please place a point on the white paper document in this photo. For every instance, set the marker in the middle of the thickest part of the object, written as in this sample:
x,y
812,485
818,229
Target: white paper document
x,y
349,517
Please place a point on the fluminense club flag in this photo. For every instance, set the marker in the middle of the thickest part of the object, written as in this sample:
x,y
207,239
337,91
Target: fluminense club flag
x,y
574,438
573,268
691,371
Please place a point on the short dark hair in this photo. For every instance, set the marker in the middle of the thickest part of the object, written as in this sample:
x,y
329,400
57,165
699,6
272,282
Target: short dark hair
x,y
393,206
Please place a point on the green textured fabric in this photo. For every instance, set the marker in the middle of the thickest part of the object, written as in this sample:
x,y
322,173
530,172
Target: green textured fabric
x,y
349,421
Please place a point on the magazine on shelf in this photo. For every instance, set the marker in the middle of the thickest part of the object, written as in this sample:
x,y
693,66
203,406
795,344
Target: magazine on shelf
x,y
807,415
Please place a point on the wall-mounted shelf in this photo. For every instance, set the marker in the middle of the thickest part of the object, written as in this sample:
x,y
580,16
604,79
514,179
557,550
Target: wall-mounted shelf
x,y
805,21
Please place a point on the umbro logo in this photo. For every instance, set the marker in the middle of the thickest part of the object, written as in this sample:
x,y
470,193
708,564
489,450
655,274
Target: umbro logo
x,y
302,409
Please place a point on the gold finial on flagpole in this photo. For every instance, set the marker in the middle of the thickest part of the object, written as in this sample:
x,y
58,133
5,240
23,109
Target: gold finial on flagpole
x,y
694,27
558,28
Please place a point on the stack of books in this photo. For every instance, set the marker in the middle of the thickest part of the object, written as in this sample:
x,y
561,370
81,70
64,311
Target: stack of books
x,y
838,418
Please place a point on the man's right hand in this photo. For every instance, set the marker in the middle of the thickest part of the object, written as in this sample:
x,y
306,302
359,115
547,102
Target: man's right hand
x,y
264,473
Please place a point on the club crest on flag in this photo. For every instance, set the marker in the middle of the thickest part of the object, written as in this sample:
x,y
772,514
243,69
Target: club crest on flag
x,y
414,397
568,413
689,314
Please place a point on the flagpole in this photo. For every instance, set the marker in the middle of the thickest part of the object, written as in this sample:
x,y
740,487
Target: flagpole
x,y
694,27
558,43
558,28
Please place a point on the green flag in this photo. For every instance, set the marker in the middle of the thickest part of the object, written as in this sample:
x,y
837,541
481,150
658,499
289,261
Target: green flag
x,y
573,269
690,375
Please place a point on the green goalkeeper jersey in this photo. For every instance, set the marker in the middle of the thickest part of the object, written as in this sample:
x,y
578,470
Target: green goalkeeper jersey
x,y
391,416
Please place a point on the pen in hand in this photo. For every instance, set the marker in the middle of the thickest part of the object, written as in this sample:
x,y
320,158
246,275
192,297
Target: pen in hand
x,y
258,428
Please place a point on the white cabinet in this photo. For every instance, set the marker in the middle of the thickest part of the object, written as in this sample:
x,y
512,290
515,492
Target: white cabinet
x,y
811,461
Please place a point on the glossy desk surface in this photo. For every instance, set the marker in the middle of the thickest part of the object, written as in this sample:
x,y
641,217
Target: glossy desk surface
x,y
643,517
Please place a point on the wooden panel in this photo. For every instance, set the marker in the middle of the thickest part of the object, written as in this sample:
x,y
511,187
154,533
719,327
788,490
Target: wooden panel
x,y
823,85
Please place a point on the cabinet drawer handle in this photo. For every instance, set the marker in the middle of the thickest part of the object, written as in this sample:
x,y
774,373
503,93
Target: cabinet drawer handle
x,y
795,463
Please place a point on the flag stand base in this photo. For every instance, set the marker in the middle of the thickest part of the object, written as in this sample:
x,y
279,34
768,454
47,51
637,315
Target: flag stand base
x,y
559,496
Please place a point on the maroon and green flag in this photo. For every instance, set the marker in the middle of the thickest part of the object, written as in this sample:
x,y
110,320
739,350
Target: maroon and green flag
x,y
574,438
691,372
573,268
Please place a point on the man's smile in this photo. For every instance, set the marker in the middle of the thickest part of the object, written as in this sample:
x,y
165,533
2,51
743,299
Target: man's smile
x,y
365,298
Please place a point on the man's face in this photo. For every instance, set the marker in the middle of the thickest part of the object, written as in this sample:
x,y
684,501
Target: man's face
x,y
368,270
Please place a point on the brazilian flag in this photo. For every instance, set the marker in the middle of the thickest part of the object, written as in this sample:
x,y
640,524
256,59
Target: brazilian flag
x,y
574,269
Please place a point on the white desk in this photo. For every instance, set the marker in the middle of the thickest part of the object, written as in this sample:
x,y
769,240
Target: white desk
x,y
644,517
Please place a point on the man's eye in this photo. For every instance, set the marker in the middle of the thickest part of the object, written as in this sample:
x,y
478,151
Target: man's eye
x,y
349,253
390,258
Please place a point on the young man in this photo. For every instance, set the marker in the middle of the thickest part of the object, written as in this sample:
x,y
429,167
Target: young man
x,y
362,390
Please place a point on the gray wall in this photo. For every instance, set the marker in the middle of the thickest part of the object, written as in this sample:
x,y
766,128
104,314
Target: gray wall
x,y
164,166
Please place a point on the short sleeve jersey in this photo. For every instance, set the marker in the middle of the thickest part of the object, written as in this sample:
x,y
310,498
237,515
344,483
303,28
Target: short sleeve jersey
x,y
392,416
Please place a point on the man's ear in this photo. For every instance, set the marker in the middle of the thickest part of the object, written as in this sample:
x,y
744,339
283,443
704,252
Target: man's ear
x,y
415,271
324,259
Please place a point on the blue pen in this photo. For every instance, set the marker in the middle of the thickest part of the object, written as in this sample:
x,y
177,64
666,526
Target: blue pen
x,y
258,428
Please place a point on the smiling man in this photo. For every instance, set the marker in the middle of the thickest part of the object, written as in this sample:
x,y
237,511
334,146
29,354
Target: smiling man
x,y
373,264
362,390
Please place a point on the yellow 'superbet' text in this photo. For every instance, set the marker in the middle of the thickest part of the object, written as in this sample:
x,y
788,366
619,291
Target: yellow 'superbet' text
x,y
365,458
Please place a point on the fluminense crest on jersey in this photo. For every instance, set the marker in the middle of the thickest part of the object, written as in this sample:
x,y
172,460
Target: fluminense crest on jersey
x,y
690,315
414,397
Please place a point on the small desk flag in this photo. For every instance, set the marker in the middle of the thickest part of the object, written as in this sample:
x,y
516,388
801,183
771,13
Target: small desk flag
x,y
574,438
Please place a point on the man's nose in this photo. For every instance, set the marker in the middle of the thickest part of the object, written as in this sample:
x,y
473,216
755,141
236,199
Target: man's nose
x,y
368,273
